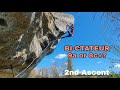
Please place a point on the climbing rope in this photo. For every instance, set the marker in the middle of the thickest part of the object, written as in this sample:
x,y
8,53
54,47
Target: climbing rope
x,y
34,59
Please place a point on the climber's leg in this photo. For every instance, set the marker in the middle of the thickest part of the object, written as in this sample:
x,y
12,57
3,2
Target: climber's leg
x,y
69,35
66,36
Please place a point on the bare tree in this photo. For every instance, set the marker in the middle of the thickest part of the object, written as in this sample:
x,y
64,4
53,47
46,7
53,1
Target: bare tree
x,y
113,34
54,72
43,73
57,71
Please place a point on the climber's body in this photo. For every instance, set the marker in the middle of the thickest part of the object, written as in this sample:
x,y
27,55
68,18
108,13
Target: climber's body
x,y
70,31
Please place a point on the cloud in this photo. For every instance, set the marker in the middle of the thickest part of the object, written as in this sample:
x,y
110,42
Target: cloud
x,y
53,61
99,62
66,63
61,56
117,66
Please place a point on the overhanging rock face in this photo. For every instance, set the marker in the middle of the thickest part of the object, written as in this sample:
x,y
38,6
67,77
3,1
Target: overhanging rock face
x,y
27,37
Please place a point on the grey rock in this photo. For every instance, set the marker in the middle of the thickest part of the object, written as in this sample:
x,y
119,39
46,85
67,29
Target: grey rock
x,y
27,37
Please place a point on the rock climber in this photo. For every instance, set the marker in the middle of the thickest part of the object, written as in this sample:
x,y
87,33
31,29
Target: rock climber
x,y
70,30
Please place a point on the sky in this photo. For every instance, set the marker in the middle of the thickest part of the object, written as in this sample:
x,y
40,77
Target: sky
x,y
89,30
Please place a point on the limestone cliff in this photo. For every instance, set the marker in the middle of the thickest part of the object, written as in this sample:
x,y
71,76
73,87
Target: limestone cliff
x,y
26,37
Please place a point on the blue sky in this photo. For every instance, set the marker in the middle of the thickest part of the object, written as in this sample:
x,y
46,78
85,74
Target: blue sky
x,y
88,31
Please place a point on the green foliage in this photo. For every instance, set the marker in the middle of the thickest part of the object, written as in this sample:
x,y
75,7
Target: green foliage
x,y
114,75
70,66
